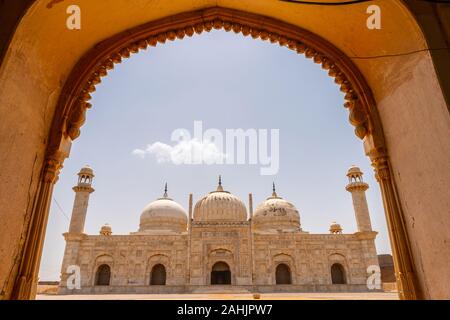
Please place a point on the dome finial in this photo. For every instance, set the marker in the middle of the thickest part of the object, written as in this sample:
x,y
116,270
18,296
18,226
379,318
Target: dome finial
x,y
274,193
219,187
165,191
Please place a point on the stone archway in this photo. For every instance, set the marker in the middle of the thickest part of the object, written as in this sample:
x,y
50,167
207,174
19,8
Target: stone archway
x,y
158,269
338,274
158,275
220,273
73,103
103,275
283,274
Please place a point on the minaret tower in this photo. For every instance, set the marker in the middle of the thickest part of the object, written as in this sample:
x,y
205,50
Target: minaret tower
x,y
76,229
357,187
82,192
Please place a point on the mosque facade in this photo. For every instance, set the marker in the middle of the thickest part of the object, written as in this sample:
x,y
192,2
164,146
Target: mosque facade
x,y
218,244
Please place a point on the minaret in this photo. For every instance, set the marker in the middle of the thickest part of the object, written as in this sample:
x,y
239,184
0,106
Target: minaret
x,y
82,191
75,235
357,187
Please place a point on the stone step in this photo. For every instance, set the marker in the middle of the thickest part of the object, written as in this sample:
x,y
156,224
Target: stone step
x,y
220,289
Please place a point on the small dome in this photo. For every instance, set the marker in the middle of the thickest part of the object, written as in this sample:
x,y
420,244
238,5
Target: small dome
x,y
86,170
335,228
163,215
354,171
106,230
276,214
220,205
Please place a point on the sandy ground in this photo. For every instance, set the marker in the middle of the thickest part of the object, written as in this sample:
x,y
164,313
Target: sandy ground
x,y
229,296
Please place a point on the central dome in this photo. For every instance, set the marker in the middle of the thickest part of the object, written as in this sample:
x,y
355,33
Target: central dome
x,y
220,205
163,215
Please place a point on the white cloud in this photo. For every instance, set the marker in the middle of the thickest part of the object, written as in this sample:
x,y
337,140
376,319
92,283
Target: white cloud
x,y
188,151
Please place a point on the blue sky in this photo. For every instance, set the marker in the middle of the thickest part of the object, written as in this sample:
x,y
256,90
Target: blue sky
x,y
227,82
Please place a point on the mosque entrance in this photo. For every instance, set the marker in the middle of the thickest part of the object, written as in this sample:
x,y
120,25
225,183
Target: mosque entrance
x,y
337,274
103,275
158,275
283,274
220,273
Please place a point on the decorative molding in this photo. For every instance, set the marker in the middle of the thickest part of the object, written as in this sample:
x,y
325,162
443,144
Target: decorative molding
x,y
220,223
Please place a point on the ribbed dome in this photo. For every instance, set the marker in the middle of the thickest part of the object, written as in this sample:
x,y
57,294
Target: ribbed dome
x,y
276,214
220,205
163,215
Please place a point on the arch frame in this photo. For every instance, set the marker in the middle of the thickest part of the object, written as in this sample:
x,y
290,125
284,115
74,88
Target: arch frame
x,y
153,260
339,258
101,259
286,258
220,254
73,103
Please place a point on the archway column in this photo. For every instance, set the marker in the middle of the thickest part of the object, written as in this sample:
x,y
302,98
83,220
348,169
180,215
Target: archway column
x,y
405,273
25,284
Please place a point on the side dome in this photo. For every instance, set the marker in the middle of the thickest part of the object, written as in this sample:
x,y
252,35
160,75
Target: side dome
x,y
163,215
105,230
335,228
276,214
220,205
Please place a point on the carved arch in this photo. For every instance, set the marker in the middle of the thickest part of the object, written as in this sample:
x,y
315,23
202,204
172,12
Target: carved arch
x,y
155,259
87,73
103,259
220,252
74,99
283,258
224,255
338,258
158,258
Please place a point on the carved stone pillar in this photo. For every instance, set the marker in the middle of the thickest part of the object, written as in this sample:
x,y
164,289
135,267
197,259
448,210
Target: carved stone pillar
x,y
408,286
26,282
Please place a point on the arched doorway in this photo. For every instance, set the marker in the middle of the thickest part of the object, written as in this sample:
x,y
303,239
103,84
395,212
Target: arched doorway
x,y
382,165
220,273
103,275
158,275
338,274
283,274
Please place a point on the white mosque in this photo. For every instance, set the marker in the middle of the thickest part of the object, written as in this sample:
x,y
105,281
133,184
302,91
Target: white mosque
x,y
218,244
